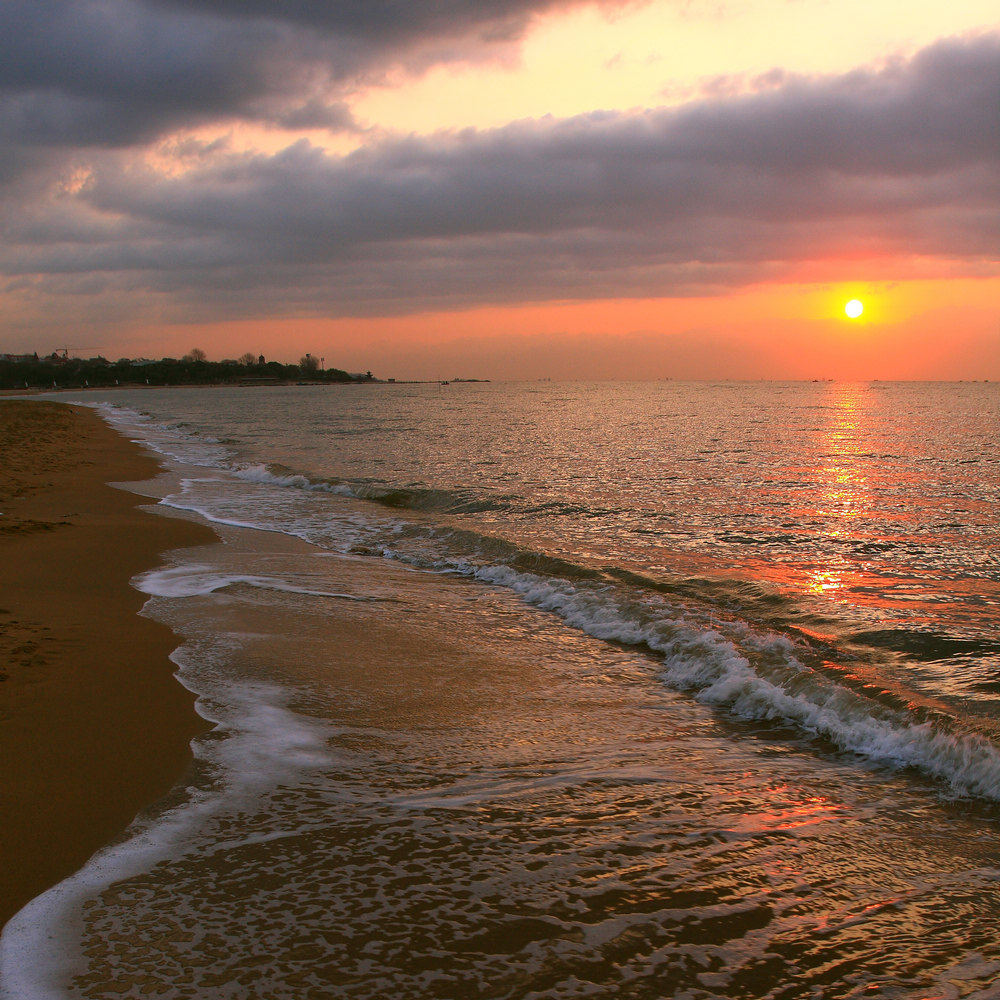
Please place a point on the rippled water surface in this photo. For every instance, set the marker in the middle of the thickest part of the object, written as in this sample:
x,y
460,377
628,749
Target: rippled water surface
x,y
880,496
872,507
524,691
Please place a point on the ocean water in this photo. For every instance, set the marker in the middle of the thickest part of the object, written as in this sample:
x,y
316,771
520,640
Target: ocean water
x,y
563,690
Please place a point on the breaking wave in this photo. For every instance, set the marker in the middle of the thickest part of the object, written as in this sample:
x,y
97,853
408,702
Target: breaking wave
x,y
763,677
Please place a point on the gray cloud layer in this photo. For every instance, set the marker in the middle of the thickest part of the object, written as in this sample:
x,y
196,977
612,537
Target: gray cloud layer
x,y
668,201
115,72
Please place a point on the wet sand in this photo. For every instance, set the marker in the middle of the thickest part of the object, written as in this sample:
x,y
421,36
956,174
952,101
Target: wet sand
x,y
93,725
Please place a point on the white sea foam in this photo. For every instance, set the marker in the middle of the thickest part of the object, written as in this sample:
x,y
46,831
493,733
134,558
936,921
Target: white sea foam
x,y
167,440
259,473
199,580
339,533
202,510
265,744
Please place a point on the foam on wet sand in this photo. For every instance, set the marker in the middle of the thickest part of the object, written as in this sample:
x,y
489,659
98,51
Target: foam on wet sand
x,y
93,724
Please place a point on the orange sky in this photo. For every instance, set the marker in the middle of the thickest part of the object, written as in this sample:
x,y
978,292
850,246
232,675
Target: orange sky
x,y
925,329
616,190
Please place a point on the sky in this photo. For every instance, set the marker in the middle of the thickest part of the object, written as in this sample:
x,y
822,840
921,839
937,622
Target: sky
x,y
506,189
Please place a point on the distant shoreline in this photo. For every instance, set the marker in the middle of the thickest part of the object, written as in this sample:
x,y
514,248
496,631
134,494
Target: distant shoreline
x,y
36,390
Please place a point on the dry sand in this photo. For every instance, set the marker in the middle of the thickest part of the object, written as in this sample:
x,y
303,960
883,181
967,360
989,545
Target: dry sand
x,y
93,725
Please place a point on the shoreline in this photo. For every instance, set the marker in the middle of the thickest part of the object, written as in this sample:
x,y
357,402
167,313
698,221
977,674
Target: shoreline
x,y
94,727
37,392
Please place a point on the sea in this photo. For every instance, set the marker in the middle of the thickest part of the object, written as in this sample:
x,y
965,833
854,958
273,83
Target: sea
x,y
562,690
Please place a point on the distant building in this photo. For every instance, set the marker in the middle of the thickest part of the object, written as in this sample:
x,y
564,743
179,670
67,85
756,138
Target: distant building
x,y
20,359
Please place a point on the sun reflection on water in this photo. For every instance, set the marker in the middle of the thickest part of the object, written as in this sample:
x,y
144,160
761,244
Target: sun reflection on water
x,y
826,581
843,489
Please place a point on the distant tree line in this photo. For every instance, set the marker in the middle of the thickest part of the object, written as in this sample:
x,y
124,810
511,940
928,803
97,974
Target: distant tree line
x,y
193,369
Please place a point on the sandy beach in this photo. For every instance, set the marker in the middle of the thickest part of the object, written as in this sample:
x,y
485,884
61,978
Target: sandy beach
x,y
93,725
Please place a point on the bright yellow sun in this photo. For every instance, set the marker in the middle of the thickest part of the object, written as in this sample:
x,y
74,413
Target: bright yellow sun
x,y
854,308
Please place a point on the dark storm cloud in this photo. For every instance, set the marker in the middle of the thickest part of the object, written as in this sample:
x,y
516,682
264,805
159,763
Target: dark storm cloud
x,y
118,72
384,22
109,74
900,161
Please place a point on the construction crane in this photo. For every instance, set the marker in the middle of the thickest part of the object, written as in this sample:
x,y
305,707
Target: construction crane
x,y
66,350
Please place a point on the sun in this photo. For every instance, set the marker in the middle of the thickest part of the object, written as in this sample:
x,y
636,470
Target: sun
x,y
854,308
